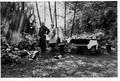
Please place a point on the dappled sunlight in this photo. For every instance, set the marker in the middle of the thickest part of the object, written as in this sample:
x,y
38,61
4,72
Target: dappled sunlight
x,y
85,43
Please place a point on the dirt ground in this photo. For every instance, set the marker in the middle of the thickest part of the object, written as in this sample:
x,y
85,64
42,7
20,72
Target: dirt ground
x,y
71,65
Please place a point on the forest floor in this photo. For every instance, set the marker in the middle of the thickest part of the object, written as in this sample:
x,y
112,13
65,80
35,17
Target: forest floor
x,y
71,65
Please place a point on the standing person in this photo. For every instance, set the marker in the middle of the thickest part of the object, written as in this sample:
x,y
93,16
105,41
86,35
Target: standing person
x,y
108,46
53,37
42,33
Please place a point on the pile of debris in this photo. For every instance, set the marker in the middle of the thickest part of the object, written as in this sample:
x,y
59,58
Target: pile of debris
x,y
30,42
15,53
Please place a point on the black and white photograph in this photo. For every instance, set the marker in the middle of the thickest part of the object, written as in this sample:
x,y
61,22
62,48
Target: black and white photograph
x,y
59,39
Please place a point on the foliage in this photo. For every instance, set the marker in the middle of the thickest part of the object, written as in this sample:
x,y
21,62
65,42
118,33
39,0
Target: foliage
x,y
17,17
95,15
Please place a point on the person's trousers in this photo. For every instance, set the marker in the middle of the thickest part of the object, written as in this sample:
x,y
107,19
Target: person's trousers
x,y
42,43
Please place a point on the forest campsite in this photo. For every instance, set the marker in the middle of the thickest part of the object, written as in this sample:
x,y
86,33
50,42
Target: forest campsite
x,y
58,39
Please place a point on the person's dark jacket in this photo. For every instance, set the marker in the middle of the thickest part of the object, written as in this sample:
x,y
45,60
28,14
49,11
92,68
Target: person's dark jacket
x,y
43,30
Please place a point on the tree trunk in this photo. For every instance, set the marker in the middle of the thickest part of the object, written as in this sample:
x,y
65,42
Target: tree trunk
x,y
56,18
0,17
21,22
65,19
38,13
50,12
44,12
73,18
21,19
23,6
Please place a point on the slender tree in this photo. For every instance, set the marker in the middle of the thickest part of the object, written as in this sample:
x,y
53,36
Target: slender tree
x,y
0,15
50,12
44,12
56,18
73,18
38,13
21,18
65,19
23,6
